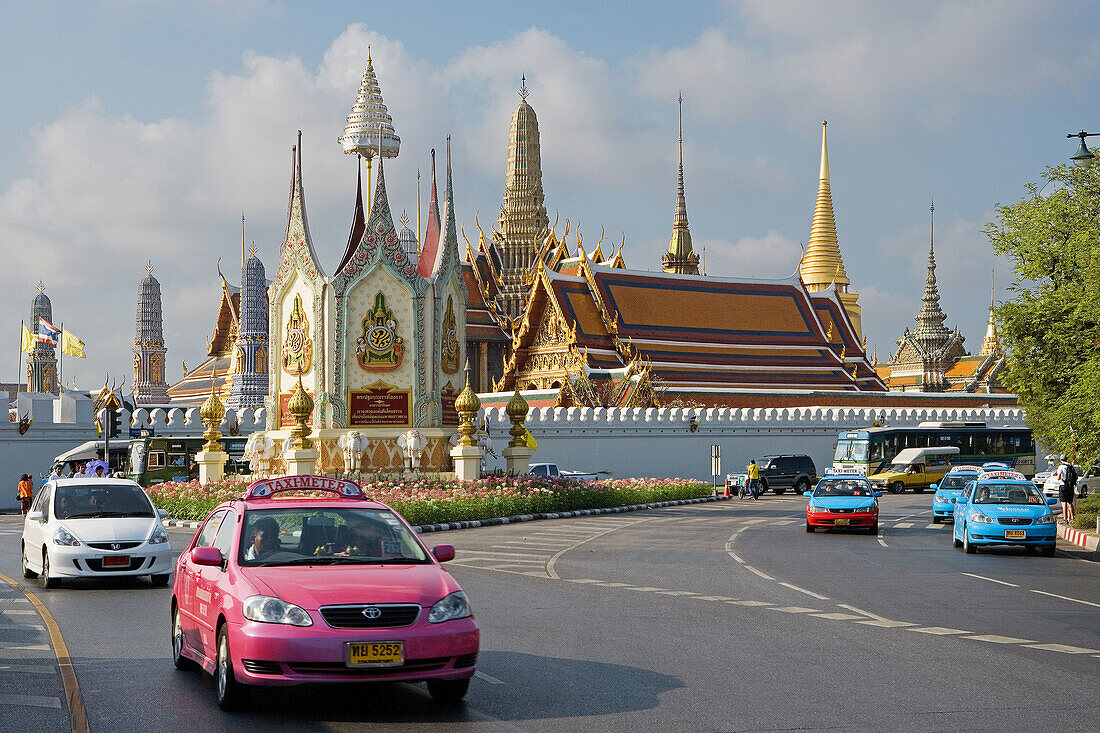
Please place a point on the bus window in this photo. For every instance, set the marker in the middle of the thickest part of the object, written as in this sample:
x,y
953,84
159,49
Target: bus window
x,y
876,448
156,460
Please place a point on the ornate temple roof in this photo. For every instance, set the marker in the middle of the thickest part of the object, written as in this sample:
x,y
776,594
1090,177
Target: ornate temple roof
x,y
368,120
680,257
358,222
822,265
150,318
430,249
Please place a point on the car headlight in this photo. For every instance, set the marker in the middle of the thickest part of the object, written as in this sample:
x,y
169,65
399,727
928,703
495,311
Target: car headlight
x,y
981,519
450,608
62,537
159,536
872,509
1045,519
269,610
814,509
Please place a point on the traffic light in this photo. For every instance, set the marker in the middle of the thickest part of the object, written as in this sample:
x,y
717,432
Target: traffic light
x,y
113,423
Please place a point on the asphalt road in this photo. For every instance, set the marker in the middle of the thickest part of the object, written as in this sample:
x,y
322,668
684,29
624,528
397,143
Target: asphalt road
x,y
712,617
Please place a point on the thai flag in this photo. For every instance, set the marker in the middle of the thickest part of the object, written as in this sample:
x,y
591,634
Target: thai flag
x,y
47,332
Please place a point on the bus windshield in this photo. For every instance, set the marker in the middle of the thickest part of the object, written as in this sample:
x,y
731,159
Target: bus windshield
x,y
851,450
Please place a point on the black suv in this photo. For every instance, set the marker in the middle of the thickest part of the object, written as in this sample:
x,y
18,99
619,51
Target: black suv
x,y
780,473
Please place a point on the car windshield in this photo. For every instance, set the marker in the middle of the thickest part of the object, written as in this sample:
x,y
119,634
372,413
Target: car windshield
x,y
955,481
842,487
898,468
88,501
327,536
1018,493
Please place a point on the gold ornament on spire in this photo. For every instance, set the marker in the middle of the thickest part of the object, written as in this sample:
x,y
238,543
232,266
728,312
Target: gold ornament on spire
x,y
467,404
680,258
301,407
212,412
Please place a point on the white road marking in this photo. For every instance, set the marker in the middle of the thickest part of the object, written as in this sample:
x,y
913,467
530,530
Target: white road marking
x,y
16,612
582,580
995,639
836,616
782,522
795,609
903,525
881,542
939,630
713,598
643,589
865,613
20,646
991,580
676,593
752,604
803,590
489,553
1066,598
886,623
761,573
488,678
1063,648
936,526
32,700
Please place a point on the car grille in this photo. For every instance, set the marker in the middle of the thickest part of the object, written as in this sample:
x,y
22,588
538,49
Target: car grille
x,y
411,665
95,564
842,511
113,545
392,616
1014,520
257,666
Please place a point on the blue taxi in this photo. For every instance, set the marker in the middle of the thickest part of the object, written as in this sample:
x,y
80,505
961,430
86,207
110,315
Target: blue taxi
x,y
1001,507
843,498
949,489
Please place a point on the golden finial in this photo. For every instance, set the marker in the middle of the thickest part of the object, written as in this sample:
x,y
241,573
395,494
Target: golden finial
x,y
212,412
523,91
301,407
252,250
467,404
149,267
516,409
41,286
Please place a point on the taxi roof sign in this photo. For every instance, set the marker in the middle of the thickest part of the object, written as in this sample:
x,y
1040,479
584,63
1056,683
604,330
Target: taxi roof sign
x,y
266,488
1001,474
965,469
846,471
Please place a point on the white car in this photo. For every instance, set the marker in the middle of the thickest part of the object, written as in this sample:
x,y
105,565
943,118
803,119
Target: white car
x,y
1052,484
94,527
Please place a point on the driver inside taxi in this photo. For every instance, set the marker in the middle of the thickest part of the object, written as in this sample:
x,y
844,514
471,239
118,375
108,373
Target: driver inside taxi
x,y
265,539
360,535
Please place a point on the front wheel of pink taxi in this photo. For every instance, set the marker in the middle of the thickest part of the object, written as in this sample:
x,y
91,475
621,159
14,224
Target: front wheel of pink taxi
x,y
178,659
230,694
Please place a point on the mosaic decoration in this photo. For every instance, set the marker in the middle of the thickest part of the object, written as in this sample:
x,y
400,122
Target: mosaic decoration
x,y
449,349
298,347
379,348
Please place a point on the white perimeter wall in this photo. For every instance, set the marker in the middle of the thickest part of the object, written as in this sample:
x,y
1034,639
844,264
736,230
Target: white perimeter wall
x,y
660,443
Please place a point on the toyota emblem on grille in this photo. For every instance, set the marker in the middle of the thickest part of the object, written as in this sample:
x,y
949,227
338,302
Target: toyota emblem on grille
x,y
372,612
115,546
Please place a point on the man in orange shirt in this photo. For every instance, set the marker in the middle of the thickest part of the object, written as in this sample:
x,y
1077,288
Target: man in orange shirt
x,y
26,493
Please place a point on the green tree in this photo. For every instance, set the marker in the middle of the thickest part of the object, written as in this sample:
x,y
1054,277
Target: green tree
x,y
1051,326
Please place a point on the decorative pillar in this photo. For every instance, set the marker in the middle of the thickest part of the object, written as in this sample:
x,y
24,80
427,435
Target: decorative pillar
x,y
211,458
517,454
301,457
467,454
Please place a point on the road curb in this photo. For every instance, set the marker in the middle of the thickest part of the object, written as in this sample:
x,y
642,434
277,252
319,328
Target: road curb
x,y
515,519
470,524
1079,537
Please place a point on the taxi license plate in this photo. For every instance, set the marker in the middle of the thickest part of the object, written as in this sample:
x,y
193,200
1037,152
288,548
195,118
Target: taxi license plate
x,y
375,654
1015,534
842,520
116,561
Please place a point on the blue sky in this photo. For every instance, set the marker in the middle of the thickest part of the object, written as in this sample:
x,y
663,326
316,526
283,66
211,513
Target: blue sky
x,y
138,131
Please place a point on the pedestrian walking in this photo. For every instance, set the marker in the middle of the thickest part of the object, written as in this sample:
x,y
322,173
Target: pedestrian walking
x,y
754,479
26,493
1067,489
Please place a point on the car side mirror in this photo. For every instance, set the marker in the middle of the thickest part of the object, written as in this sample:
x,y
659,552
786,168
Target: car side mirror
x,y
961,500
211,556
162,513
933,487
807,493
443,553
1052,500
36,516
878,493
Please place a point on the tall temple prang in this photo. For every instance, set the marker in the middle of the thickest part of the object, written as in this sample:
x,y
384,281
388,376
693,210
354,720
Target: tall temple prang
x,y
523,222
42,359
822,266
150,386
680,258
250,355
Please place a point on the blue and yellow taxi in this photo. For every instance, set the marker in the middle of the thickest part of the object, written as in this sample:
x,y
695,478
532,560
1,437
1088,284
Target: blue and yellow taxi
x,y
843,498
1001,507
948,491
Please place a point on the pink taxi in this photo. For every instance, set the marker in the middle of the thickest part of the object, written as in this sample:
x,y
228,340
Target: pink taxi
x,y
277,589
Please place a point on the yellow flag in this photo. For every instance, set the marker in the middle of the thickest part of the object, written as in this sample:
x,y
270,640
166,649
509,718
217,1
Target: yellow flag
x,y
28,341
71,345
531,443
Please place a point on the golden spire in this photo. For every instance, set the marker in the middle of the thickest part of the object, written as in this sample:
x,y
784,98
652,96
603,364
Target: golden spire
x,y
211,413
992,343
822,265
680,258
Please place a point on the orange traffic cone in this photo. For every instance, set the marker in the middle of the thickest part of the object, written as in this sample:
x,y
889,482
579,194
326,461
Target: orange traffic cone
x,y
726,492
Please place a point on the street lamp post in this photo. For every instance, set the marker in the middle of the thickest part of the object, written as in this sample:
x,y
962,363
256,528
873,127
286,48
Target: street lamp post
x,y
1083,156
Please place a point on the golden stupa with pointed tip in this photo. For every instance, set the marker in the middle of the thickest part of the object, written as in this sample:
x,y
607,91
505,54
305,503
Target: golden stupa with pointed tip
x,y
301,407
516,409
467,404
212,412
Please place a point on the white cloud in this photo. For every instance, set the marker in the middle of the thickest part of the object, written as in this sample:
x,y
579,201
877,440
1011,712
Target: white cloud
x,y
770,256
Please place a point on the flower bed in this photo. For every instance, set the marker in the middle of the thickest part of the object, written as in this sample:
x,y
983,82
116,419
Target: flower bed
x,y
429,500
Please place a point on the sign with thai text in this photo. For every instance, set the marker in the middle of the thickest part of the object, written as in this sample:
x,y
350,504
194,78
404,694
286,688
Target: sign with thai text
x,y
379,404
